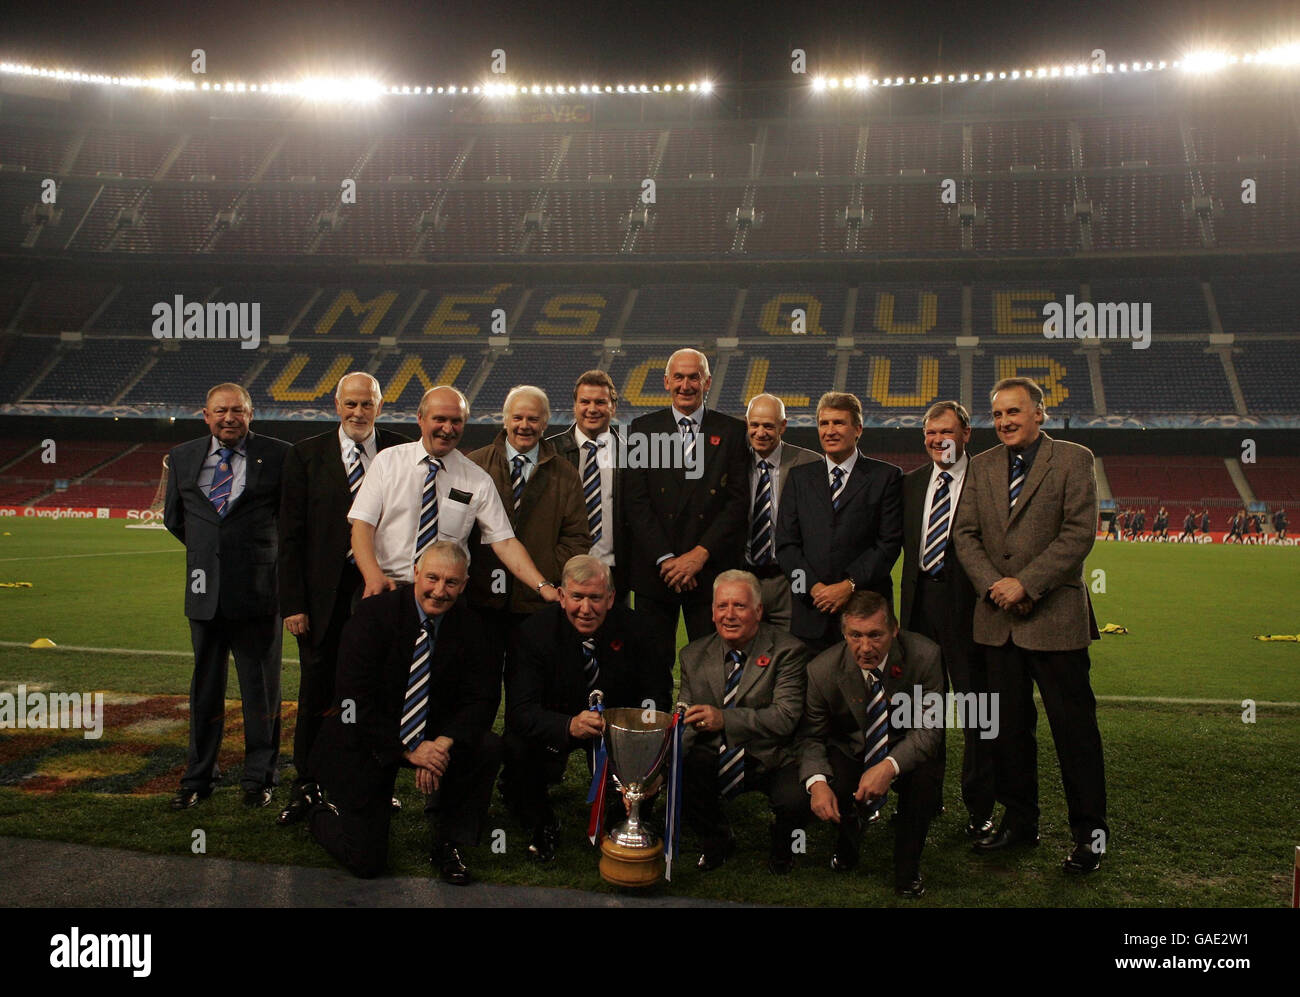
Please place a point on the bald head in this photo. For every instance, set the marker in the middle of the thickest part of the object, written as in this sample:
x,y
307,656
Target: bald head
x,y
358,402
441,415
687,380
765,422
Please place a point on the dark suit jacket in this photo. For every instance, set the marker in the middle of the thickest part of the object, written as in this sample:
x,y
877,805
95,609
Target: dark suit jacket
x,y
836,709
551,524
769,700
668,513
237,554
314,531
545,683
566,446
959,588
1042,542
374,665
860,541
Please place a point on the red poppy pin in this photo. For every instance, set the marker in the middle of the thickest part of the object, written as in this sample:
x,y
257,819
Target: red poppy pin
x,y
616,645
763,662
714,440
896,671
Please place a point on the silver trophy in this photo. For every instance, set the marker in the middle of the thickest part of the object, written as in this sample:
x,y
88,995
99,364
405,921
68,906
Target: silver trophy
x,y
637,742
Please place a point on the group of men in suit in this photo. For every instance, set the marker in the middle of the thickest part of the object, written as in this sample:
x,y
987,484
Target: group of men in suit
x,y
778,559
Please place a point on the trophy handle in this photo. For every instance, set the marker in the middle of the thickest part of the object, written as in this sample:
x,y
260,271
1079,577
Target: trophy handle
x,y
595,698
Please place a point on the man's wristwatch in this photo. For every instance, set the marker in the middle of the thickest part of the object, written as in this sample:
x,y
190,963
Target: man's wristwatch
x,y
852,586
540,584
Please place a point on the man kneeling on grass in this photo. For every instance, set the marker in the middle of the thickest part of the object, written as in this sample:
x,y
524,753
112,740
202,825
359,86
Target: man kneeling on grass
x,y
417,687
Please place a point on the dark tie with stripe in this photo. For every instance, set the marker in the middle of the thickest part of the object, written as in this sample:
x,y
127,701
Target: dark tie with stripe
x,y
591,492
688,439
731,761
590,667
837,488
415,707
356,471
223,478
1017,478
936,531
428,507
517,477
877,731
760,533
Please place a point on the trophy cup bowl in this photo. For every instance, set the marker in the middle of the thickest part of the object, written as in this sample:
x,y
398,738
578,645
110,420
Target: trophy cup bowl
x,y
637,742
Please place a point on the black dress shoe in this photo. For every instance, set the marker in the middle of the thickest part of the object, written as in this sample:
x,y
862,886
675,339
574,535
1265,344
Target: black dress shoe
x,y
1081,861
976,828
452,867
1007,837
300,803
396,804
844,862
257,797
545,837
186,798
912,890
715,856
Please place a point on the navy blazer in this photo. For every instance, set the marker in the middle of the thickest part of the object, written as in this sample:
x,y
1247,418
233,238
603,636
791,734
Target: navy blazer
x,y
860,541
236,554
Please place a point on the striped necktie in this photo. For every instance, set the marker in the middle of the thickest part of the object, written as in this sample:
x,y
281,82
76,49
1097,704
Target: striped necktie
x,y
415,707
591,491
936,531
837,488
877,732
590,667
356,471
517,477
688,439
760,532
1017,478
731,761
223,478
428,507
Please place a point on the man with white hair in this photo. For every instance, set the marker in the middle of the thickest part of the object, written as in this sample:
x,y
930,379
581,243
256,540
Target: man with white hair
x,y
417,493
770,461
319,579
686,521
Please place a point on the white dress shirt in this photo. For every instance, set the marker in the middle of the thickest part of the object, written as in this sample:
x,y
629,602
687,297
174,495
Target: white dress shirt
x,y
605,457
238,464
958,472
389,500
367,450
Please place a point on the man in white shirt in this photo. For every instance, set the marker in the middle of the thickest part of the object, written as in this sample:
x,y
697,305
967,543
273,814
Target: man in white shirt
x,y
937,598
425,491
770,460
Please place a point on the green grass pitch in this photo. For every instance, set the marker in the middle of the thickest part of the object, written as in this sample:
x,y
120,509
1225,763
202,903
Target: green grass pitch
x,y
1205,808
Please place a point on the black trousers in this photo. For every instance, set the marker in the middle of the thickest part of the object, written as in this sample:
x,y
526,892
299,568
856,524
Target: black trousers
x,y
919,792
1062,678
357,836
318,654
702,800
255,645
660,618
530,767
933,616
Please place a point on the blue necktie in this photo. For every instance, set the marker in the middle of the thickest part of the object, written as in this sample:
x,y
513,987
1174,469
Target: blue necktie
x,y
760,534
877,733
590,667
731,761
591,492
1017,478
688,439
223,478
517,477
415,707
936,531
428,507
837,488
356,471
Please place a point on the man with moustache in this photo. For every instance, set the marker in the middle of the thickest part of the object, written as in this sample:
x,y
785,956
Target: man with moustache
x,y
416,493
744,690
938,600
417,688
542,496
841,524
318,574
592,446
770,461
1026,522
686,523
223,500
587,642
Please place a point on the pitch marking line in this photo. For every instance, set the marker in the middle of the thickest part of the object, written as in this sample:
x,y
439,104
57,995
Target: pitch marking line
x,y
111,553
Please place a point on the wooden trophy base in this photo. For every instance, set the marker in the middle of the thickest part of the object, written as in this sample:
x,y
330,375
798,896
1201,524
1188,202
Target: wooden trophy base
x,y
631,867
